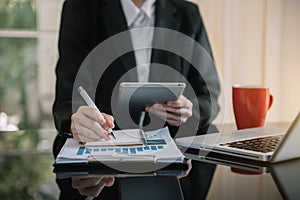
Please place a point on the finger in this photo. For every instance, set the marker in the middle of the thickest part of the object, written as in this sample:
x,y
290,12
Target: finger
x,y
84,124
174,122
105,121
109,181
180,116
88,117
83,134
157,106
186,173
159,112
92,113
80,183
168,117
95,127
182,112
180,102
173,117
164,114
165,108
174,104
90,123
88,186
109,120
162,111
75,181
88,112
93,191
88,133
174,111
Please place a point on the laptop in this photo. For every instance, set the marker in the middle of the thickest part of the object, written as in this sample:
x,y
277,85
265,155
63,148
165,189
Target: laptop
x,y
264,144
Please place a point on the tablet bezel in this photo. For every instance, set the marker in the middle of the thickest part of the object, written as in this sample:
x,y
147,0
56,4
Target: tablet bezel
x,y
127,89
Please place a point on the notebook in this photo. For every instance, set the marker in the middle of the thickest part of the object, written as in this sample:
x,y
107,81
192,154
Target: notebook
x,y
123,137
74,152
262,144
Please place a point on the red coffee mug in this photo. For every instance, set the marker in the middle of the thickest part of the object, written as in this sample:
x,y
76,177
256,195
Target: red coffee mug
x,y
250,105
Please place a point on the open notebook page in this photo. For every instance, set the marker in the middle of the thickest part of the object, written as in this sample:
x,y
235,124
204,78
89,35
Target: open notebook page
x,y
123,137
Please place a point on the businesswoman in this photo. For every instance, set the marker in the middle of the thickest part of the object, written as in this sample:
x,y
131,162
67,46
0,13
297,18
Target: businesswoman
x,y
87,23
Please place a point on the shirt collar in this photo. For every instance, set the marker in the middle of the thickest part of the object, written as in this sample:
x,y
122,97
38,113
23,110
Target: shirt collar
x,y
131,11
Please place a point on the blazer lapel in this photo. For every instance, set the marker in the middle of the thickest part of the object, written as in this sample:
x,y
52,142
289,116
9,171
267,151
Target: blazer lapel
x,y
115,21
167,17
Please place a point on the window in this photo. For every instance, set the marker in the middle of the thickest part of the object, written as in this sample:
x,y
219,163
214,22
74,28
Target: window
x,y
28,53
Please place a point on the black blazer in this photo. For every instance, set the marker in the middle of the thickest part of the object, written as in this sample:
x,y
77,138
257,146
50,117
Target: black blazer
x,y
87,23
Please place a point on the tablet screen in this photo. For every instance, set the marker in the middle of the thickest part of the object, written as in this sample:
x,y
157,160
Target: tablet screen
x,y
140,95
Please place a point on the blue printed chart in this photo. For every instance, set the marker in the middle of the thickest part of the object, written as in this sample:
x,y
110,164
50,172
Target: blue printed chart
x,y
110,150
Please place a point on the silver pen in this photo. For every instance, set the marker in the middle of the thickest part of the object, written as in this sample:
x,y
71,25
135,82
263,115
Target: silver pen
x,y
89,102
141,121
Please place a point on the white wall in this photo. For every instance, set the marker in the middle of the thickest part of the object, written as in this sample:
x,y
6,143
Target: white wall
x,y
256,42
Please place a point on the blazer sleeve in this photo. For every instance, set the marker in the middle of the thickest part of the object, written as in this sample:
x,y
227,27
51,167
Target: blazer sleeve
x,y
203,76
73,47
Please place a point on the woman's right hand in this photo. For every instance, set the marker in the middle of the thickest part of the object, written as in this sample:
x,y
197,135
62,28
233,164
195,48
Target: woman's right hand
x,y
87,125
91,186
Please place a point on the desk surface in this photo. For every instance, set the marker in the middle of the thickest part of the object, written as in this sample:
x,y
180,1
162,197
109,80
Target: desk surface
x,y
26,172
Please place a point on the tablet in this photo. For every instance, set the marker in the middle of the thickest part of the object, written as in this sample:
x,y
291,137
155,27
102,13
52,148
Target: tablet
x,y
140,95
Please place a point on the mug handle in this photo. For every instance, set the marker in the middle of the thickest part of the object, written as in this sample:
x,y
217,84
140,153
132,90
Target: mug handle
x,y
271,101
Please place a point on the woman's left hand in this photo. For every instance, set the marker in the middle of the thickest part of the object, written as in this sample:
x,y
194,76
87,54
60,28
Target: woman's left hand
x,y
174,112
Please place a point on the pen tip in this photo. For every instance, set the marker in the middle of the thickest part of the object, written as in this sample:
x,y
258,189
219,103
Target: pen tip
x,y
112,134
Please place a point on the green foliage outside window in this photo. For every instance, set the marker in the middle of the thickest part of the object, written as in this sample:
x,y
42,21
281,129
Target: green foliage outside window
x,y
18,14
18,65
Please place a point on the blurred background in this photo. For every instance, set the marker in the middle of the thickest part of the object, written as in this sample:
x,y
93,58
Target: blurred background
x,y
254,42
28,53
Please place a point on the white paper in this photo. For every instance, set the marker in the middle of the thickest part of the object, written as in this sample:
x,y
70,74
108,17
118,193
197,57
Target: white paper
x,y
123,137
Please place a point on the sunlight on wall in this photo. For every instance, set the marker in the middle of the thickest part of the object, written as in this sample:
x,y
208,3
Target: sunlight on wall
x,y
256,42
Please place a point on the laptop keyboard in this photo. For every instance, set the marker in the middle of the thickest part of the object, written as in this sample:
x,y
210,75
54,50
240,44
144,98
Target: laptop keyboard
x,y
264,144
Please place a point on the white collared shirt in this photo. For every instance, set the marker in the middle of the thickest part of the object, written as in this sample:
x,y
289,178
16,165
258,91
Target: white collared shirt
x,y
138,19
